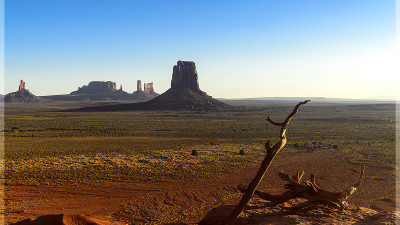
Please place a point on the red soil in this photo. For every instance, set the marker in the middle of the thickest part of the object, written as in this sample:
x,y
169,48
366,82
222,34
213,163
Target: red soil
x,y
104,201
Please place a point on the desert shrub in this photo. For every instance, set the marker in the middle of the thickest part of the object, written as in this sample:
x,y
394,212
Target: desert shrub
x,y
241,152
296,145
195,153
335,146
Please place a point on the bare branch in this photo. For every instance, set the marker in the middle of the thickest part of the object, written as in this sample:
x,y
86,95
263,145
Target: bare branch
x,y
297,177
271,153
309,191
350,190
274,123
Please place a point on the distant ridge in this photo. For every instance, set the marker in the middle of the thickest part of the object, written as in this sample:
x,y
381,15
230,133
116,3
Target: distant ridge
x,y
313,99
280,98
184,94
106,91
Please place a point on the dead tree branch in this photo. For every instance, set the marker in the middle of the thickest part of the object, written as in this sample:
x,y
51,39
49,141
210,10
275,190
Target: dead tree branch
x,y
271,153
310,191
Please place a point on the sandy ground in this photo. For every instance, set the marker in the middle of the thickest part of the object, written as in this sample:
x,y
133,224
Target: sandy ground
x,y
333,170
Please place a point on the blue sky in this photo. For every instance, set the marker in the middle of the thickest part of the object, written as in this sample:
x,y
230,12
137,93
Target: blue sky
x,y
330,48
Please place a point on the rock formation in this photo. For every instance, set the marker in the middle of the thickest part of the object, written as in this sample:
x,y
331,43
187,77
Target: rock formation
x,y
106,91
184,93
185,76
139,85
21,85
147,93
148,88
23,95
97,87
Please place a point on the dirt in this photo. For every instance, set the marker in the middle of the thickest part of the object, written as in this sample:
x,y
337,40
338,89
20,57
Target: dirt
x,y
107,201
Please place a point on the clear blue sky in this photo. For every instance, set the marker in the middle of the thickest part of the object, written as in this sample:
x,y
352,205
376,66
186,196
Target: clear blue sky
x,y
313,48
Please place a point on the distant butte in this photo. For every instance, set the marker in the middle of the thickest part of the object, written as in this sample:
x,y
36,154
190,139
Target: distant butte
x,y
184,94
107,91
146,94
23,95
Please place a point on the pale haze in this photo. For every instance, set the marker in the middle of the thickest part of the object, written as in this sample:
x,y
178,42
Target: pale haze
x,y
242,49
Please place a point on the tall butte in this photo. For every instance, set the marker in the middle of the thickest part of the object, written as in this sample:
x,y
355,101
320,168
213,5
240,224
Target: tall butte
x,y
184,94
185,76
185,91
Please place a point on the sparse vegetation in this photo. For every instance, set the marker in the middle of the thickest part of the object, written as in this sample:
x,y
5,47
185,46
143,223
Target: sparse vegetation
x,y
43,144
46,146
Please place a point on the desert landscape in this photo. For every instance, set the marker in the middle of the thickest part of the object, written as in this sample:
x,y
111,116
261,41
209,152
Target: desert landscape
x,y
163,166
199,112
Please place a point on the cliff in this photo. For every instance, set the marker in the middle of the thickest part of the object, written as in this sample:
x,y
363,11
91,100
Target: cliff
x,y
146,94
184,94
185,76
107,91
97,87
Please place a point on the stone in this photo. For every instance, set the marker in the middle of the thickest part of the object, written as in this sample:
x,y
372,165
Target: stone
x,y
62,219
97,87
21,85
185,75
23,95
139,85
184,94
148,88
147,93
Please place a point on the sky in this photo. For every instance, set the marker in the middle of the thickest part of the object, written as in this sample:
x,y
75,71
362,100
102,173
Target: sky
x,y
242,49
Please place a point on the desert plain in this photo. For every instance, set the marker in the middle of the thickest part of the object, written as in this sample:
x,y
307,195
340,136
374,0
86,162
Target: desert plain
x,y
161,166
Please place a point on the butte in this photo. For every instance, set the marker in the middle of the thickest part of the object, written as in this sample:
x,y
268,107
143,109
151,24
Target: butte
x,y
184,94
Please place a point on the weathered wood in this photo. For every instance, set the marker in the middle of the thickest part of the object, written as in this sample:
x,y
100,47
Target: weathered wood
x,y
271,153
310,191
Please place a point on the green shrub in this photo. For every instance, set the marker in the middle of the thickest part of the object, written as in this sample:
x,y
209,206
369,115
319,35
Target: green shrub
x,y
195,153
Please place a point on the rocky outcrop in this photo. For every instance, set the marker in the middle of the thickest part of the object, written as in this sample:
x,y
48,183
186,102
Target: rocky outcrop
x,y
21,85
106,91
185,91
148,88
62,219
97,87
139,86
185,75
184,94
23,95
146,94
